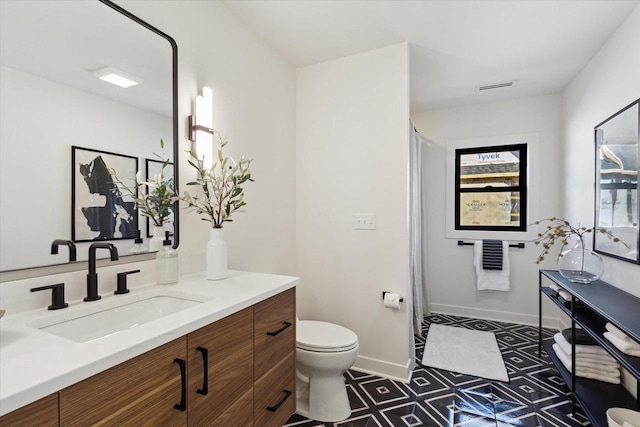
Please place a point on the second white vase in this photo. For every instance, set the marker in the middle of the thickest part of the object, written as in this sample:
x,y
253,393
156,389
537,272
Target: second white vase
x,y
155,243
216,256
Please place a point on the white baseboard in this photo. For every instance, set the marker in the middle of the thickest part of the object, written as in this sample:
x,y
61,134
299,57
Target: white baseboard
x,y
501,316
384,369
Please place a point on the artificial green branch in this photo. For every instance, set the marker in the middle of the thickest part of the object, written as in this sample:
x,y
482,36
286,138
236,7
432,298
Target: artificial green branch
x,y
221,187
154,198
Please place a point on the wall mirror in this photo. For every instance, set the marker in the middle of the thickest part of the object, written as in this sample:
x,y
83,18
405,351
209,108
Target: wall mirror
x,y
616,198
52,100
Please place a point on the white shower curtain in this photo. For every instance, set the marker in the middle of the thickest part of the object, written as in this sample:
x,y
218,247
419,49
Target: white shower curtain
x,y
416,281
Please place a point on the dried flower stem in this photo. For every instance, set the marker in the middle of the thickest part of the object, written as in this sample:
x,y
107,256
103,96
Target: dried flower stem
x,y
561,230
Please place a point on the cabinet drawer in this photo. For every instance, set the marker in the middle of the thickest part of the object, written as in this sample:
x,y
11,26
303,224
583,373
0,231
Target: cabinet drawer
x,y
41,413
140,391
275,394
274,331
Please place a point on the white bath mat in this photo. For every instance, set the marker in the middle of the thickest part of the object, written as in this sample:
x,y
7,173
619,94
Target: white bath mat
x,y
464,351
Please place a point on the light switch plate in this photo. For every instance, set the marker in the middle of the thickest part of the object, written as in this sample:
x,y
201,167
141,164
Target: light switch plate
x,y
364,221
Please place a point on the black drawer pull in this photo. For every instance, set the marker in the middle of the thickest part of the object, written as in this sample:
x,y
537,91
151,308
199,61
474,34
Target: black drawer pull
x,y
287,393
205,364
286,325
182,406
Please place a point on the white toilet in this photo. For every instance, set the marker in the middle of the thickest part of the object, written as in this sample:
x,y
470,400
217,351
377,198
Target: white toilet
x,y
324,352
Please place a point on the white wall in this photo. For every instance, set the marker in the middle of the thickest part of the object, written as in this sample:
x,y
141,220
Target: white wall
x,y
352,155
254,108
450,277
610,82
41,120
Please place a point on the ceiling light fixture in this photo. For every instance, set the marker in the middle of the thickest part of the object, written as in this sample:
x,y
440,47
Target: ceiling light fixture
x,y
495,85
117,77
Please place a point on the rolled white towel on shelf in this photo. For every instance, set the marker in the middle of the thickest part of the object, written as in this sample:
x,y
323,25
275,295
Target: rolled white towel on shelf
x,y
555,287
631,348
564,295
586,351
617,332
566,361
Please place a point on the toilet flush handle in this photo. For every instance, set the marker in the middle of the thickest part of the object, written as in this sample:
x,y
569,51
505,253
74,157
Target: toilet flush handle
x,y
286,325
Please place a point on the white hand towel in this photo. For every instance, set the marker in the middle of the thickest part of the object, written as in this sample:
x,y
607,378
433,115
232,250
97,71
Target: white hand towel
x,y
631,348
564,295
582,349
592,358
607,368
491,280
617,332
566,361
587,365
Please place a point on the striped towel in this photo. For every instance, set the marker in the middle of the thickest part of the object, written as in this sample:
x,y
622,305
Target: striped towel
x,y
492,254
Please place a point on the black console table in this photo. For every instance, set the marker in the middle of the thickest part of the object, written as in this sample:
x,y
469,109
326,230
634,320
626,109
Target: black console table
x,y
592,306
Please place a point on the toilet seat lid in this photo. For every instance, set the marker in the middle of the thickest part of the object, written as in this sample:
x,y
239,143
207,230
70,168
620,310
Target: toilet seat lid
x,y
314,335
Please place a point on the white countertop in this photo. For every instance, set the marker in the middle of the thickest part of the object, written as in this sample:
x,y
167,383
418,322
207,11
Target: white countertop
x,y
34,363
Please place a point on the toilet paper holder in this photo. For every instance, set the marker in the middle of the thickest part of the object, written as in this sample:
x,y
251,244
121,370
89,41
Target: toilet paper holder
x,y
386,292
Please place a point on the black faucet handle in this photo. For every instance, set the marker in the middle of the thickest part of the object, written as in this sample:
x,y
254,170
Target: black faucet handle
x,y
57,295
122,282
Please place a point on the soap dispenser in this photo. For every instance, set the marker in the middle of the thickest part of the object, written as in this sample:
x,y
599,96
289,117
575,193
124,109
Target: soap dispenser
x,y
167,263
138,247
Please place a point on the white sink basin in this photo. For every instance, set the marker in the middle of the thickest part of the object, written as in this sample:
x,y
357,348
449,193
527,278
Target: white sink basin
x,y
107,320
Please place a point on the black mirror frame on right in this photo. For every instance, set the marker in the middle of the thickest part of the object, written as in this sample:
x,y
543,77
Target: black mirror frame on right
x,y
617,205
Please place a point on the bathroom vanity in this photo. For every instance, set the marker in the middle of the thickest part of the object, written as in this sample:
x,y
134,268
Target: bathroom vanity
x,y
229,359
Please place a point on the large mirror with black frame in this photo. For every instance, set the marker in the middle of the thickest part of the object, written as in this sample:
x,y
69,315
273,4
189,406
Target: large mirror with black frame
x,y
616,195
55,105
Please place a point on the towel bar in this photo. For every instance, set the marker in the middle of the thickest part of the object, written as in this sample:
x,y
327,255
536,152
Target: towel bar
x,y
511,245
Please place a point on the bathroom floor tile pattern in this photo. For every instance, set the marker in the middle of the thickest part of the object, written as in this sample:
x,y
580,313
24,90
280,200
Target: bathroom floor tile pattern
x,y
535,396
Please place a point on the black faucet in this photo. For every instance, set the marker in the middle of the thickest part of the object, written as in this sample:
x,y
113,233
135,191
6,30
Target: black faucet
x,y
92,277
72,248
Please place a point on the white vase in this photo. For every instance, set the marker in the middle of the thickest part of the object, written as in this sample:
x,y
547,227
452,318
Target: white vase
x,y
216,256
155,243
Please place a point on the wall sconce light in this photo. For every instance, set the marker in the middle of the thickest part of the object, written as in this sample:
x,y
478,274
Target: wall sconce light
x,y
201,127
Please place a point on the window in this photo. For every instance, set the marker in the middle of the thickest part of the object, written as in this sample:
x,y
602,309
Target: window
x,y
491,188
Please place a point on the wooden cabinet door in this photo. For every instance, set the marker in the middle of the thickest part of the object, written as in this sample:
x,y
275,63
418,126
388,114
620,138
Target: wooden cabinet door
x,y
41,413
224,397
274,331
140,391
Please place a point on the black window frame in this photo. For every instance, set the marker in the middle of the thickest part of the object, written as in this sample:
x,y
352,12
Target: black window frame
x,y
521,187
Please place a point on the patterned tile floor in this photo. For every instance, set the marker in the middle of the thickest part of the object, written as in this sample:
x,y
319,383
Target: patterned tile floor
x,y
535,396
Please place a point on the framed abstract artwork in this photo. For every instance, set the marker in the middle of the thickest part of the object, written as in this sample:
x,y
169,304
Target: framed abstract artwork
x,y
153,169
99,210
